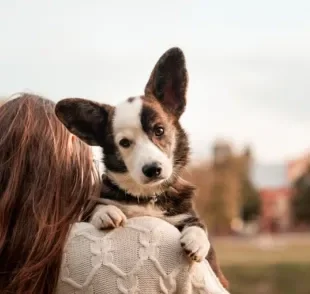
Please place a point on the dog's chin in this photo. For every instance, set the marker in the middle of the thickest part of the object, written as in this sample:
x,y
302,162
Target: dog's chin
x,y
149,183
153,183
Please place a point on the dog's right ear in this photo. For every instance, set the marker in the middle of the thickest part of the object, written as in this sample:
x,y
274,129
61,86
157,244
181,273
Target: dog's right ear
x,y
168,81
85,119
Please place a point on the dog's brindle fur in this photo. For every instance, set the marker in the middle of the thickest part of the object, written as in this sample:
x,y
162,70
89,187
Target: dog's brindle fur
x,y
163,104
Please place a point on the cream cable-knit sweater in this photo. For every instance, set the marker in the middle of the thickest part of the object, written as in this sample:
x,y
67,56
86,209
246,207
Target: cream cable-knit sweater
x,y
143,257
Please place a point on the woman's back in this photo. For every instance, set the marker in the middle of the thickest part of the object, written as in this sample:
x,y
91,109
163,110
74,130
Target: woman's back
x,y
145,256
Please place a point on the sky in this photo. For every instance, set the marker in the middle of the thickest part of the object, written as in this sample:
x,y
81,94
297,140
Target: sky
x,y
248,62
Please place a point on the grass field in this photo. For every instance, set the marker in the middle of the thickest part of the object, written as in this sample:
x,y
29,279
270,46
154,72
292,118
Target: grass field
x,y
266,266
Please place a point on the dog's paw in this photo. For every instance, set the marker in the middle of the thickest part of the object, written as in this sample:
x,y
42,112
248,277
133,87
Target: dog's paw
x,y
195,242
107,217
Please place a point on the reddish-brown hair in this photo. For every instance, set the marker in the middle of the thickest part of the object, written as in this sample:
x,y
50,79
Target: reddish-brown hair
x,y
46,178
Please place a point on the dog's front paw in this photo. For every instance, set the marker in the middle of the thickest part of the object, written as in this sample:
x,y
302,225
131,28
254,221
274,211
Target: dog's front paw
x,y
107,216
195,242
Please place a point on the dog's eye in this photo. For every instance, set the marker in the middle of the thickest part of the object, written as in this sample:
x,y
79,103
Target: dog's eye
x,y
159,131
125,143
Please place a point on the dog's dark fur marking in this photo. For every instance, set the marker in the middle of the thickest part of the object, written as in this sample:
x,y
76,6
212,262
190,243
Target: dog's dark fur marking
x,y
148,116
111,156
153,115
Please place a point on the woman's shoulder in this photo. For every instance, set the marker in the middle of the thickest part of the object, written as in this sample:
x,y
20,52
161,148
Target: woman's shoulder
x,y
145,254
142,224
142,227
148,228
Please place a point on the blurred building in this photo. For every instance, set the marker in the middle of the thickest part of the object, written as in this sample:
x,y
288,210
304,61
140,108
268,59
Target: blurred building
x,y
274,188
223,183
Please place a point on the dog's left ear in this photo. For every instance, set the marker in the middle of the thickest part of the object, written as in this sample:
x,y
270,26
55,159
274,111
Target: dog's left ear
x,y
85,119
168,82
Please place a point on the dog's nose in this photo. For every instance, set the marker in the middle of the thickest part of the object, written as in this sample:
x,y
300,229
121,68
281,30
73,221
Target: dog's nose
x,y
152,170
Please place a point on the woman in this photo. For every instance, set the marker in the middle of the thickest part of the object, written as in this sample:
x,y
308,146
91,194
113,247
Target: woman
x,y
46,180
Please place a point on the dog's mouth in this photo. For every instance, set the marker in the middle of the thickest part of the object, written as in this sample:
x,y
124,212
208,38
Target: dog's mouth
x,y
154,182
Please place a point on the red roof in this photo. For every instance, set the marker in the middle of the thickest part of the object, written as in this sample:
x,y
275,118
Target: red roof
x,y
275,192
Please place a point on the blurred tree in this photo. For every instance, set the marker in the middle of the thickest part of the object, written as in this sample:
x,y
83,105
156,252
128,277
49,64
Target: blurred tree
x,y
225,191
217,215
301,199
251,202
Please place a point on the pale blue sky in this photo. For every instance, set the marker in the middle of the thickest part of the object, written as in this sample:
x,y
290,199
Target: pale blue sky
x,y
249,61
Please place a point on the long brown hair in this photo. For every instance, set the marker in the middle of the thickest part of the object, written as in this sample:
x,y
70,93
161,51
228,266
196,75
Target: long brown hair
x,y
46,178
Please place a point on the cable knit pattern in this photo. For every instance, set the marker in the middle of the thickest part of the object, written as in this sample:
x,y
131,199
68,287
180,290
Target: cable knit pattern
x,y
144,257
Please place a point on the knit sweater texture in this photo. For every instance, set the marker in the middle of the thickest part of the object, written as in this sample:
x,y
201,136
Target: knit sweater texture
x,y
143,257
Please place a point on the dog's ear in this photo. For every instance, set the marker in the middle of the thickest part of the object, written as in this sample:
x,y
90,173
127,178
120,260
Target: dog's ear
x,y
168,82
85,119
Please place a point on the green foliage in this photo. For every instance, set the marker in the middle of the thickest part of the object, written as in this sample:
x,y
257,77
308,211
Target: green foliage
x,y
251,202
287,278
301,199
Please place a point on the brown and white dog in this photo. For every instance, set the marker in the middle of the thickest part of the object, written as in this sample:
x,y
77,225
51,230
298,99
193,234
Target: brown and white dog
x,y
144,151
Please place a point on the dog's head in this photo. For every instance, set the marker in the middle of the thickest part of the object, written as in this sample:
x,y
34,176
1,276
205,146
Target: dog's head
x,y
144,146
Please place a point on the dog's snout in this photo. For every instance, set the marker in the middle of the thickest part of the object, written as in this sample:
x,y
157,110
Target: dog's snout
x,y
152,170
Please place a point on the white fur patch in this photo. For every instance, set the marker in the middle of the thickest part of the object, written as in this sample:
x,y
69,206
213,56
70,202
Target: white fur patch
x,y
98,158
129,184
127,124
195,242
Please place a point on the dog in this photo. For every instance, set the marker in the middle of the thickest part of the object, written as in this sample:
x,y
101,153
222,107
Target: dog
x,y
145,150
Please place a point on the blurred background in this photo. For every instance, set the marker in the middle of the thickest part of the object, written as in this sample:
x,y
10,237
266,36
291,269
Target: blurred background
x,y
247,115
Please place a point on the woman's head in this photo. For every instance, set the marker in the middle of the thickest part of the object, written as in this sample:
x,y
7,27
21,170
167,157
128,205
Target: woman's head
x,y
46,178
